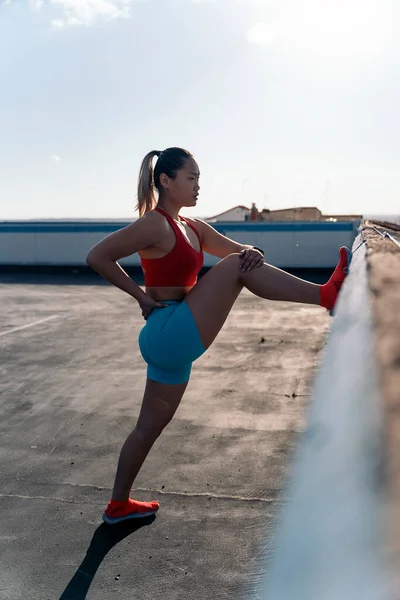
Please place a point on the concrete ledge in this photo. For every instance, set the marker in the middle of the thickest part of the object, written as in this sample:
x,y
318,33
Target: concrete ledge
x,y
384,279
333,541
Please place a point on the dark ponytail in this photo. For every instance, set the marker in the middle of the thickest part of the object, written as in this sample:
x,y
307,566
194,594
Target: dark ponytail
x,y
169,162
146,193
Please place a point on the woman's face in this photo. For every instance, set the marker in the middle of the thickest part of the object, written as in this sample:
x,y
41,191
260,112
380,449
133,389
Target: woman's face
x,y
184,189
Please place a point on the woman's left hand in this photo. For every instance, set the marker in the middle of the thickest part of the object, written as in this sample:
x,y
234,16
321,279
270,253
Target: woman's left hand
x,y
250,258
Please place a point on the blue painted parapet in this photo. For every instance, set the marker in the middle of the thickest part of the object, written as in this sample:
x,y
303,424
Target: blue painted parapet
x,y
291,244
331,541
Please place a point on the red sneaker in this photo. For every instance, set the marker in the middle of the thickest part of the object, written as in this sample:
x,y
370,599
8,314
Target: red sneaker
x,y
330,290
117,511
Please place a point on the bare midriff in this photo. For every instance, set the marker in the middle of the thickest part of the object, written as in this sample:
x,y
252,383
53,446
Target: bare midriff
x,y
168,293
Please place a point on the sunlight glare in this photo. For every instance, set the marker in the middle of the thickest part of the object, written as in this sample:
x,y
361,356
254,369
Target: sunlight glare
x,y
336,32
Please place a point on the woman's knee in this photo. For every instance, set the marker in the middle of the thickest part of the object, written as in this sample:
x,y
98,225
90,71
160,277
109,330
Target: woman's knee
x,y
149,432
152,425
232,261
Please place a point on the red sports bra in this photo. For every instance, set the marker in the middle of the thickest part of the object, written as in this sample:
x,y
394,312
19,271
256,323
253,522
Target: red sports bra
x,y
179,267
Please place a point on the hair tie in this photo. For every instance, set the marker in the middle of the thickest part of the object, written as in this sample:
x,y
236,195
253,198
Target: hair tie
x,y
158,153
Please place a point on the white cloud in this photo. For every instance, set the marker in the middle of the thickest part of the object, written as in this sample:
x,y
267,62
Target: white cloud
x,y
56,158
84,12
81,12
36,4
263,33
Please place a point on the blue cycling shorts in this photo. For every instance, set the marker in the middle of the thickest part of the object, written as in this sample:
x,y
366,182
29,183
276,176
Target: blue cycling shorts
x,y
170,342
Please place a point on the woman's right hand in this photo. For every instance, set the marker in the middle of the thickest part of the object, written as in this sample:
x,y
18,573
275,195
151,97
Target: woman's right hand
x,y
148,304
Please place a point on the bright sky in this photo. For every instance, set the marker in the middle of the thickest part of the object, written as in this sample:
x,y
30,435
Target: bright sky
x,y
282,102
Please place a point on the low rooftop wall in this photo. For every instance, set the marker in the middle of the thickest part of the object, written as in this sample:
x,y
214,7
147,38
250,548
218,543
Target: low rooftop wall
x,y
339,534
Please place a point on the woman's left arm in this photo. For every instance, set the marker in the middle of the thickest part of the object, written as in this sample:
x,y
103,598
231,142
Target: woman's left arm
x,y
219,245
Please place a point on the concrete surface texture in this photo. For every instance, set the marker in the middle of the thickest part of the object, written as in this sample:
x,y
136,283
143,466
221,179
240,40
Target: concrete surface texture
x,y
384,277
71,386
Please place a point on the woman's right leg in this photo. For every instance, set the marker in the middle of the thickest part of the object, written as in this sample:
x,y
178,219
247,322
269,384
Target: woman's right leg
x,y
160,402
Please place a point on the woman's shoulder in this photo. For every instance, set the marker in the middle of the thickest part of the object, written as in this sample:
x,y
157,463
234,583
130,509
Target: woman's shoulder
x,y
198,223
154,220
151,226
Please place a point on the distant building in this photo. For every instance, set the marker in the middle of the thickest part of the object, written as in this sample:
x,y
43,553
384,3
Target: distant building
x,y
304,213
237,213
300,213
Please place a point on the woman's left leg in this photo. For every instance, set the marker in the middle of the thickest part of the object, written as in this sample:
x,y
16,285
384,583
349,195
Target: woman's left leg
x,y
212,298
160,402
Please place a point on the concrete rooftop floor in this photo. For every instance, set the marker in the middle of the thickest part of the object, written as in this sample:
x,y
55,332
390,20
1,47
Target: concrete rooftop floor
x,y
71,386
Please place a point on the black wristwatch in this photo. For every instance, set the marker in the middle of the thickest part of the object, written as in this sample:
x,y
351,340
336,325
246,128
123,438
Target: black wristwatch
x,y
259,249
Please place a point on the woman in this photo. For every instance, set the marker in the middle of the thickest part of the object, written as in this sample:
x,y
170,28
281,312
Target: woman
x,y
182,316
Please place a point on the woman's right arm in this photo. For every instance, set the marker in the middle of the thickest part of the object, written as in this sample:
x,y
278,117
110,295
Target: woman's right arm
x,y
146,231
